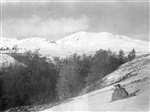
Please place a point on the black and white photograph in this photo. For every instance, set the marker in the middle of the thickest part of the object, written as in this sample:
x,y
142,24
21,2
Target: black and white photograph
x,y
74,56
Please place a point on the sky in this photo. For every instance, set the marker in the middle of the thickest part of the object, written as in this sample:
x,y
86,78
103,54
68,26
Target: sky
x,y
55,19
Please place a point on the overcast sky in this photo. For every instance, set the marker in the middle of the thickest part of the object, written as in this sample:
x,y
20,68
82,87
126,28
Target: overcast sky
x,y
54,20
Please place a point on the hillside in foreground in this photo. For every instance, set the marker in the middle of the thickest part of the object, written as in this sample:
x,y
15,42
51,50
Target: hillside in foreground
x,y
133,75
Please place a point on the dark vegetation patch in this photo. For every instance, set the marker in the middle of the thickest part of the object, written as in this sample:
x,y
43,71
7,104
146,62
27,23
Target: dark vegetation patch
x,y
41,81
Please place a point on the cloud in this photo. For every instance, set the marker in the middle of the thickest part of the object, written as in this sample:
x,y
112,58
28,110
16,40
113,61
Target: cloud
x,y
55,20
46,27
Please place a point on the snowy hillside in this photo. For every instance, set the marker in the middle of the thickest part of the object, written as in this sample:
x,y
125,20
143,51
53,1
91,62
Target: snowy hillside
x,y
134,76
137,68
88,42
80,42
6,60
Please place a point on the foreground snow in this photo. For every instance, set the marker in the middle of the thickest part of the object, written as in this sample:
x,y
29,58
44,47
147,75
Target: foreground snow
x,y
100,100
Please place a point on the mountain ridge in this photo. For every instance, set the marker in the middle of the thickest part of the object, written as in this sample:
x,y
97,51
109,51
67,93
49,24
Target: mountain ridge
x,y
80,43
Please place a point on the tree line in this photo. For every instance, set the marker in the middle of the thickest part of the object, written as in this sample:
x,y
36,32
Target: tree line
x,y
40,80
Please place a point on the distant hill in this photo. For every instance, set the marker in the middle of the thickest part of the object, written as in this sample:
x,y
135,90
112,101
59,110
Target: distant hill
x,y
80,42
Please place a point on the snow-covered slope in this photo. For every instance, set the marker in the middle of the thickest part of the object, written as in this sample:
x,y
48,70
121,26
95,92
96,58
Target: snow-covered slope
x,y
87,42
134,76
138,68
6,60
80,42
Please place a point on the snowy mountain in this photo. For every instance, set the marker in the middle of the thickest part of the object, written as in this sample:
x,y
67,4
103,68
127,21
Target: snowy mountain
x,y
134,76
89,42
80,42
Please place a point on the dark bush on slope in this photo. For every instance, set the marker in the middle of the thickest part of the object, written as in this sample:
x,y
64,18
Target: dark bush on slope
x,y
72,76
103,63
